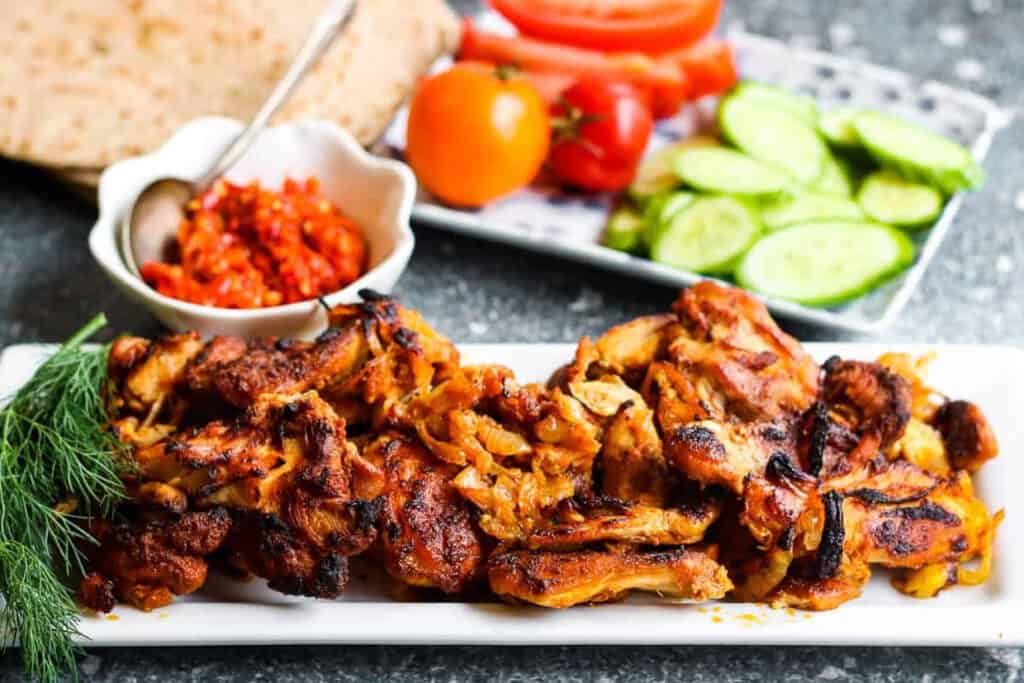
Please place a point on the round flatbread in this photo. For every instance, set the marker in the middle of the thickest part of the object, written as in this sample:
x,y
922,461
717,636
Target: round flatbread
x,y
83,84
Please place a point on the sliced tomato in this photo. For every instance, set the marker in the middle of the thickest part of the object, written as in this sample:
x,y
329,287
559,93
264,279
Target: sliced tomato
x,y
710,67
646,25
661,80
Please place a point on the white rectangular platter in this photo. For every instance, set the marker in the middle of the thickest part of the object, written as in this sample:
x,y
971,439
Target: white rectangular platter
x,y
570,225
228,612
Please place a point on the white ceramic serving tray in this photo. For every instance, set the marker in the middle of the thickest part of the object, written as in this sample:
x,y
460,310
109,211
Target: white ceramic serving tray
x,y
228,612
569,225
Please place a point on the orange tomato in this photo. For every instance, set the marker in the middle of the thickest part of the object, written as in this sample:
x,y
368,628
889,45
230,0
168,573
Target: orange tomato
x,y
476,134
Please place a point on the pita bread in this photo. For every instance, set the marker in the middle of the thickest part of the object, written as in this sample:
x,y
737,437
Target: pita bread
x,y
84,177
83,84
81,182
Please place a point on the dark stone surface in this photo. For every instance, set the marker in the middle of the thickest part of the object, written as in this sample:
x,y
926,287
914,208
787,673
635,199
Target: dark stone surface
x,y
476,291
544,665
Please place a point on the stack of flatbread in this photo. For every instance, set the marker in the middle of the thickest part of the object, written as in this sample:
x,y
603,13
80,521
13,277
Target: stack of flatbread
x,y
85,83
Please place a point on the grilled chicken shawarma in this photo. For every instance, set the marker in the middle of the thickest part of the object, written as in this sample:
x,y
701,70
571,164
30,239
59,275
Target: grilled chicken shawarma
x,y
804,588
427,535
563,579
144,377
966,434
699,454
250,433
238,373
285,469
904,517
612,521
867,398
633,465
738,360
147,559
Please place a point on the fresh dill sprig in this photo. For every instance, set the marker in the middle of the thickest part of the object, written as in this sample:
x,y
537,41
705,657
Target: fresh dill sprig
x,y
54,448
39,609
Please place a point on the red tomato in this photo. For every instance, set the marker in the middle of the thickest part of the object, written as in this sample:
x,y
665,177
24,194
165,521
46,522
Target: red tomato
x,y
601,128
646,25
709,66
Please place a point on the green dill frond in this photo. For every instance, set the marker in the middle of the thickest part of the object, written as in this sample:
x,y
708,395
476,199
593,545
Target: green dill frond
x,y
38,612
54,446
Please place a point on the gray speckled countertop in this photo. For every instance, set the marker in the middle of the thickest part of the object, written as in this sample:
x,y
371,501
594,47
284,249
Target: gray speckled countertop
x,y
474,291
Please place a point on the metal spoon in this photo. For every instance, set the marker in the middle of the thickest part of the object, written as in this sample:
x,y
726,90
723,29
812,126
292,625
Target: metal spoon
x,y
151,224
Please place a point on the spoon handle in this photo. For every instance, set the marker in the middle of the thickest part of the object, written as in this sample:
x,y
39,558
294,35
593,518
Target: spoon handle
x,y
331,21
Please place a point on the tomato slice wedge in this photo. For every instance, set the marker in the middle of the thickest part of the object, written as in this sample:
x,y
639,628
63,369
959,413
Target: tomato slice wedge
x,y
651,26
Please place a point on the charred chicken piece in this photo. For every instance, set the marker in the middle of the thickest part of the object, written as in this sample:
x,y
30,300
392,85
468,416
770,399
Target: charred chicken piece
x,y
512,502
828,449
903,517
803,588
265,545
673,398
610,521
738,359
713,452
300,490
144,373
564,579
239,374
782,507
633,466
427,535
518,479
868,399
145,382
969,440
896,516
628,349
207,366
150,558
757,462
405,355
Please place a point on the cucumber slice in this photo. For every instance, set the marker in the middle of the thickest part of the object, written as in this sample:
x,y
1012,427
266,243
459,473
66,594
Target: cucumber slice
x,y
659,214
917,153
623,230
773,136
889,198
709,236
808,207
657,173
802,106
825,263
837,127
835,178
716,169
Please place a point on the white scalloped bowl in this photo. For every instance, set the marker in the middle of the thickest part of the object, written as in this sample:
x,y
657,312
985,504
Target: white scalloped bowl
x,y
377,193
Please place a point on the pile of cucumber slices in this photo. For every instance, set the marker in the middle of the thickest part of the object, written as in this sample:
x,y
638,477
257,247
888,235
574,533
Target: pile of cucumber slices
x,y
792,203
